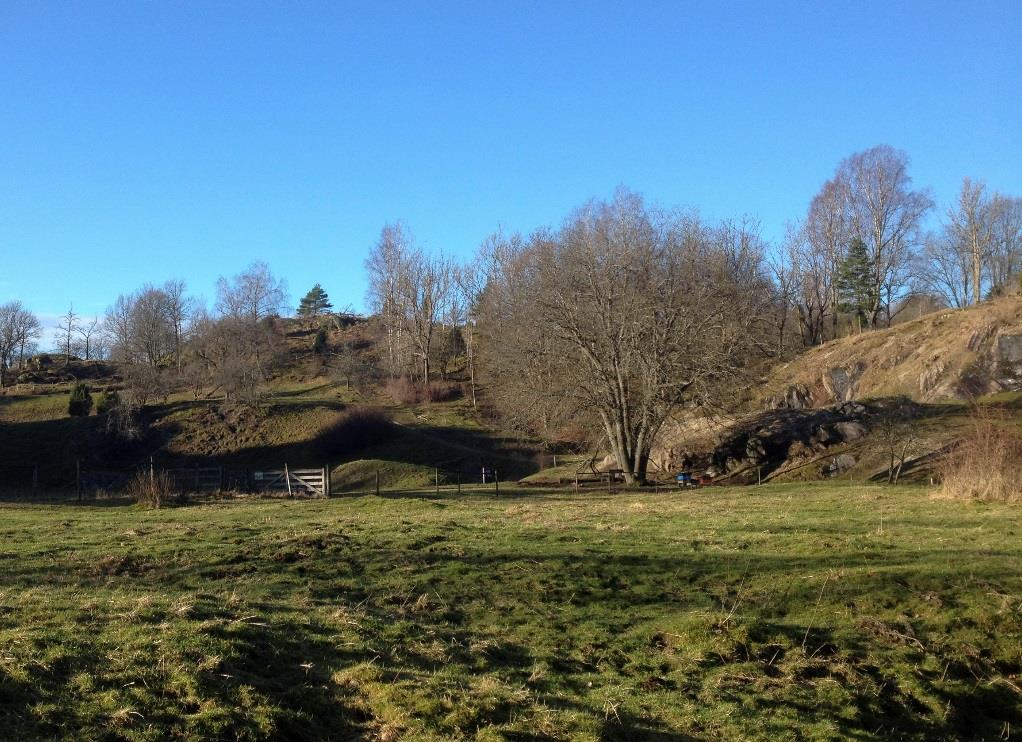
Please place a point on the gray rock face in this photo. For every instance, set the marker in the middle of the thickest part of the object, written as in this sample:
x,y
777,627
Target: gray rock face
x,y
1009,362
840,463
795,397
843,382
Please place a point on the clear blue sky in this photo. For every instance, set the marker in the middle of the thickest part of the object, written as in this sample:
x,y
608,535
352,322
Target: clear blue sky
x,y
142,141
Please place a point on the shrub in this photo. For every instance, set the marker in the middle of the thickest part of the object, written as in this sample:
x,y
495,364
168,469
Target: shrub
x,y
986,464
356,427
441,391
153,489
108,400
402,390
320,343
80,403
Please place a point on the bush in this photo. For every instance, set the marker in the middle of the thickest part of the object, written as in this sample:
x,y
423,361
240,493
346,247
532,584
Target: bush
x,y
108,400
402,390
355,428
153,489
80,403
440,391
987,463
319,345
405,391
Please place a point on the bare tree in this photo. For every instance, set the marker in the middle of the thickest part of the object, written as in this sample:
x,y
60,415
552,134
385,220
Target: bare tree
x,y
425,290
385,266
635,311
1005,241
87,333
885,213
969,227
254,294
945,269
66,331
816,254
18,328
179,308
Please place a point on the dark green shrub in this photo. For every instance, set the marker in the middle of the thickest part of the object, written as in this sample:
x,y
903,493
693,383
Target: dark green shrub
x,y
108,400
80,403
319,344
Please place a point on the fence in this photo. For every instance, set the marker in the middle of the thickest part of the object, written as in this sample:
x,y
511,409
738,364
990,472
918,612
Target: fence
x,y
209,479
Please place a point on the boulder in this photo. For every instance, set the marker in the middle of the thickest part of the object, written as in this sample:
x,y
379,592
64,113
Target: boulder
x,y
840,463
850,431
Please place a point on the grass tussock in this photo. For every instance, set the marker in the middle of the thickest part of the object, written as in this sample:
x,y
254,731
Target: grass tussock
x,y
153,489
987,463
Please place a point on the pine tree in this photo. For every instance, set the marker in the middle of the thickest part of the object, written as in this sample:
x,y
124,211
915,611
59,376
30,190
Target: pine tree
x,y
856,291
315,302
80,403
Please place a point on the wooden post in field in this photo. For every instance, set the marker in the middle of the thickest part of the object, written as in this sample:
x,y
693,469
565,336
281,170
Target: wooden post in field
x,y
377,482
436,479
326,480
287,478
555,460
78,479
152,472
576,483
459,482
759,475
496,484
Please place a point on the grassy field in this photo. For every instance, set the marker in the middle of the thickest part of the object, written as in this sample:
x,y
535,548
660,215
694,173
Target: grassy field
x,y
781,612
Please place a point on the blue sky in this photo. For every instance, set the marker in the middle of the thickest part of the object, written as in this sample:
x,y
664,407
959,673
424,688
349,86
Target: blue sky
x,y
142,141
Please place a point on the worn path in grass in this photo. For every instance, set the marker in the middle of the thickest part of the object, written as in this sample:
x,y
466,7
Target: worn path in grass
x,y
781,612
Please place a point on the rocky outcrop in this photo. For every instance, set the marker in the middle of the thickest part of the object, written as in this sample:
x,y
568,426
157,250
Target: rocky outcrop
x,y
842,383
795,397
1009,362
783,439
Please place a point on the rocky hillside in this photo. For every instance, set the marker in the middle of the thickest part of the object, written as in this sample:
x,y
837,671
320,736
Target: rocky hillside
x,y
951,354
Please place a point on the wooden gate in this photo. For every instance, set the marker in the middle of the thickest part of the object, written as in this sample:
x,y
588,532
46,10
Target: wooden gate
x,y
292,481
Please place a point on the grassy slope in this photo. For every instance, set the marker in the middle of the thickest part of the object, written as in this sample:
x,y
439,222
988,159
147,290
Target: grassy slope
x,y
775,612
35,429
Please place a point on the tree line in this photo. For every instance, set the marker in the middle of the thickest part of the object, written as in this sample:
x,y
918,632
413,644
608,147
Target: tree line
x,y
597,330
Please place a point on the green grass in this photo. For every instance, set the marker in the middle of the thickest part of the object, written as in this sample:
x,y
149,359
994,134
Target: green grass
x,y
781,612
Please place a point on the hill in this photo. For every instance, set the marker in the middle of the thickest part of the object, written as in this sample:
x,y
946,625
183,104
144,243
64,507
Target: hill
x,y
950,354
294,423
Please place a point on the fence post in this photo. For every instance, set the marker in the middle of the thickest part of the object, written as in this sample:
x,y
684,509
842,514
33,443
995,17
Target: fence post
x,y
576,483
78,479
377,482
496,484
152,473
326,480
436,479
287,478
459,482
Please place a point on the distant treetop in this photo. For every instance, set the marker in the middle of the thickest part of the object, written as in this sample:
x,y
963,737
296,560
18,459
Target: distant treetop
x,y
315,302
